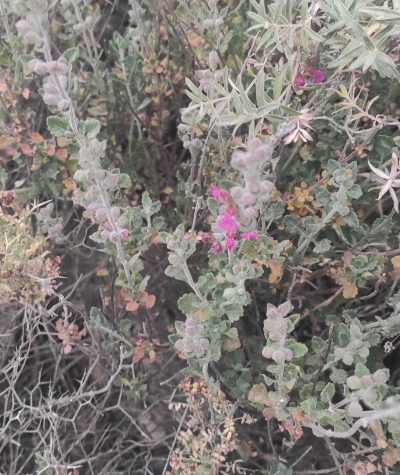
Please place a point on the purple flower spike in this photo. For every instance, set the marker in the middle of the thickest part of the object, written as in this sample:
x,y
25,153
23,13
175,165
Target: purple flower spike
x,y
227,223
218,194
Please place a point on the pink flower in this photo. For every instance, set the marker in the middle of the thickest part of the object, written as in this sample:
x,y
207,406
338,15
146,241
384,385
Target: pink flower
x,y
250,235
218,194
216,248
227,223
319,76
300,81
230,243
206,237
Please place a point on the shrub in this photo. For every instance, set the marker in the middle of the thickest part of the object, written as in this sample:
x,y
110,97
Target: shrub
x,y
231,146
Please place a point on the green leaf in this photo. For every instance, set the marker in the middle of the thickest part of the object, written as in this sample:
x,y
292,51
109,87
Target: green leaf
x,y
24,58
71,54
57,125
313,35
352,50
189,304
386,66
361,370
124,181
365,60
322,246
319,345
351,219
299,349
234,312
327,393
91,128
355,26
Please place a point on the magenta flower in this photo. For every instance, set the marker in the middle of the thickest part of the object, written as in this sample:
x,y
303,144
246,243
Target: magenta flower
x,y
206,237
230,243
227,223
216,248
250,235
218,194
300,80
319,76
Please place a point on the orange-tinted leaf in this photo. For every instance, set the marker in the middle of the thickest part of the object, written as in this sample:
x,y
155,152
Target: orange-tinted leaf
x,y
70,186
231,344
35,137
51,150
132,306
67,349
62,154
350,290
26,149
139,354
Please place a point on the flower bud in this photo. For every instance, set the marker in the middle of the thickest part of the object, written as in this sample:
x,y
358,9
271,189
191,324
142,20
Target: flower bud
x,y
125,234
366,381
41,68
100,174
380,377
93,207
105,235
288,354
111,181
63,105
266,187
115,211
354,382
204,343
188,346
248,199
101,213
370,396
278,356
114,236
50,87
267,352
51,99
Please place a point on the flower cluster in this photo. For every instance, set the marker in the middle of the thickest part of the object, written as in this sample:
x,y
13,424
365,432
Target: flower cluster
x,y
276,326
356,349
99,185
236,207
193,342
364,383
311,75
52,226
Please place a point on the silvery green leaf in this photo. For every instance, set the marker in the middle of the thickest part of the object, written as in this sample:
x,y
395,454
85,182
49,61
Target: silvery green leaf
x,y
327,393
351,219
313,35
71,54
260,84
322,246
57,125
